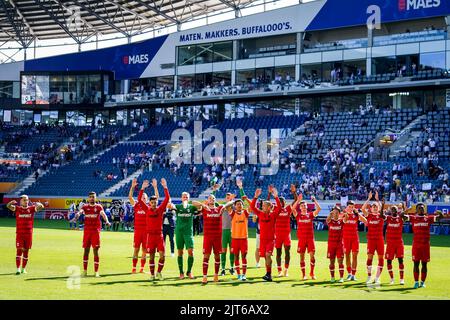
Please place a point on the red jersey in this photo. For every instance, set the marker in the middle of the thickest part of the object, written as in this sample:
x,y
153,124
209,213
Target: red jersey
x,y
140,220
305,228
394,229
154,218
335,230
266,220
421,228
283,221
350,229
212,222
92,217
25,219
375,225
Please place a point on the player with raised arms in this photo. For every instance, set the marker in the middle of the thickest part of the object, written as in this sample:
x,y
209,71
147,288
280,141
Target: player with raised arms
x,y
154,224
395,247
184,233
24,213
375,240
212,229
266,218
421,224
140,225
350,236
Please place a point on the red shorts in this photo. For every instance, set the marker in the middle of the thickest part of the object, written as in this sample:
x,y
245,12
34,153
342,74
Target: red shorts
x,y
24,240
239,245
304,244
210,244
140,239
155,243
335,250
375,245
394,249
351,245
421,252
266,247
282,240
91,239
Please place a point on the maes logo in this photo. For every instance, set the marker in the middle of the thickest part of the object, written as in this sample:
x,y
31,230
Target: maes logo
x,y
136,59
406,5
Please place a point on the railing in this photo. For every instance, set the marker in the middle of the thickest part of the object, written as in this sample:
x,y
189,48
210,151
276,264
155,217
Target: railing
x,y
420,36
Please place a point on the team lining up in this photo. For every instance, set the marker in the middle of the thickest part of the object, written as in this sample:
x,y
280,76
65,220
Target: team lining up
x,y
274,233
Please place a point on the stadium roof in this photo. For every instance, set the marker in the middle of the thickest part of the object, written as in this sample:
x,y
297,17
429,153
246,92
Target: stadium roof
x,y
26,20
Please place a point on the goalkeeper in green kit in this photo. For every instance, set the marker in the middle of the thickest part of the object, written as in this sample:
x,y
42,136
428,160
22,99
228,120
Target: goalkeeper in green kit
x,y
184,235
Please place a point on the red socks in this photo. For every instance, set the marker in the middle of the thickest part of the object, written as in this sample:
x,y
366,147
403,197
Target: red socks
x,y
341,271
135,260
416,276
369,267
24,259
389,267
402,270
244,265
217,265
236,265
143,262
349,269
268,269
205,266
96,263
353,272
18,258
312,264
85,262
331,266
160,264
423,276
303,268
151,263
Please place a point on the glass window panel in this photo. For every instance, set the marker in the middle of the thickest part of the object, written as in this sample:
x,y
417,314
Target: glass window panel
x,y
186,55
313,71
245,76
56,90
223,51
433,60
204,53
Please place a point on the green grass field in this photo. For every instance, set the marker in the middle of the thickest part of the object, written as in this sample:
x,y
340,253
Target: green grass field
x,y
55,249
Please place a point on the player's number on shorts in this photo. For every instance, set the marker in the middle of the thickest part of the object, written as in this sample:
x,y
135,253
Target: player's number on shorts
x,y
74,279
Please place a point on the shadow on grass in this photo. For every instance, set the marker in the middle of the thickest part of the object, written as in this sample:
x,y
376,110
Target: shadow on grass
x,y
89,276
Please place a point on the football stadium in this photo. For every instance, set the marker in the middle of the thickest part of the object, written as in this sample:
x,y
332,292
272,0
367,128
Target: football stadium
x,y
224,150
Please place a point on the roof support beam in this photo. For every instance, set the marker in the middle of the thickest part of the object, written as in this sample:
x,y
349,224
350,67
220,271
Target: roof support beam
x,y
156,10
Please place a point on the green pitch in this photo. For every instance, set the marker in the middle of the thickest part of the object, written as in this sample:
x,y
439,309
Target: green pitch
x,y
56,249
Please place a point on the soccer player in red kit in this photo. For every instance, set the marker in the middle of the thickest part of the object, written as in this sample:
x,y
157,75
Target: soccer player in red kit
x,y
351,238
212,230
24,229
154,225
421,224
91,234
394,240
283,236
305,233
375,239
266,218
140,224
335,242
